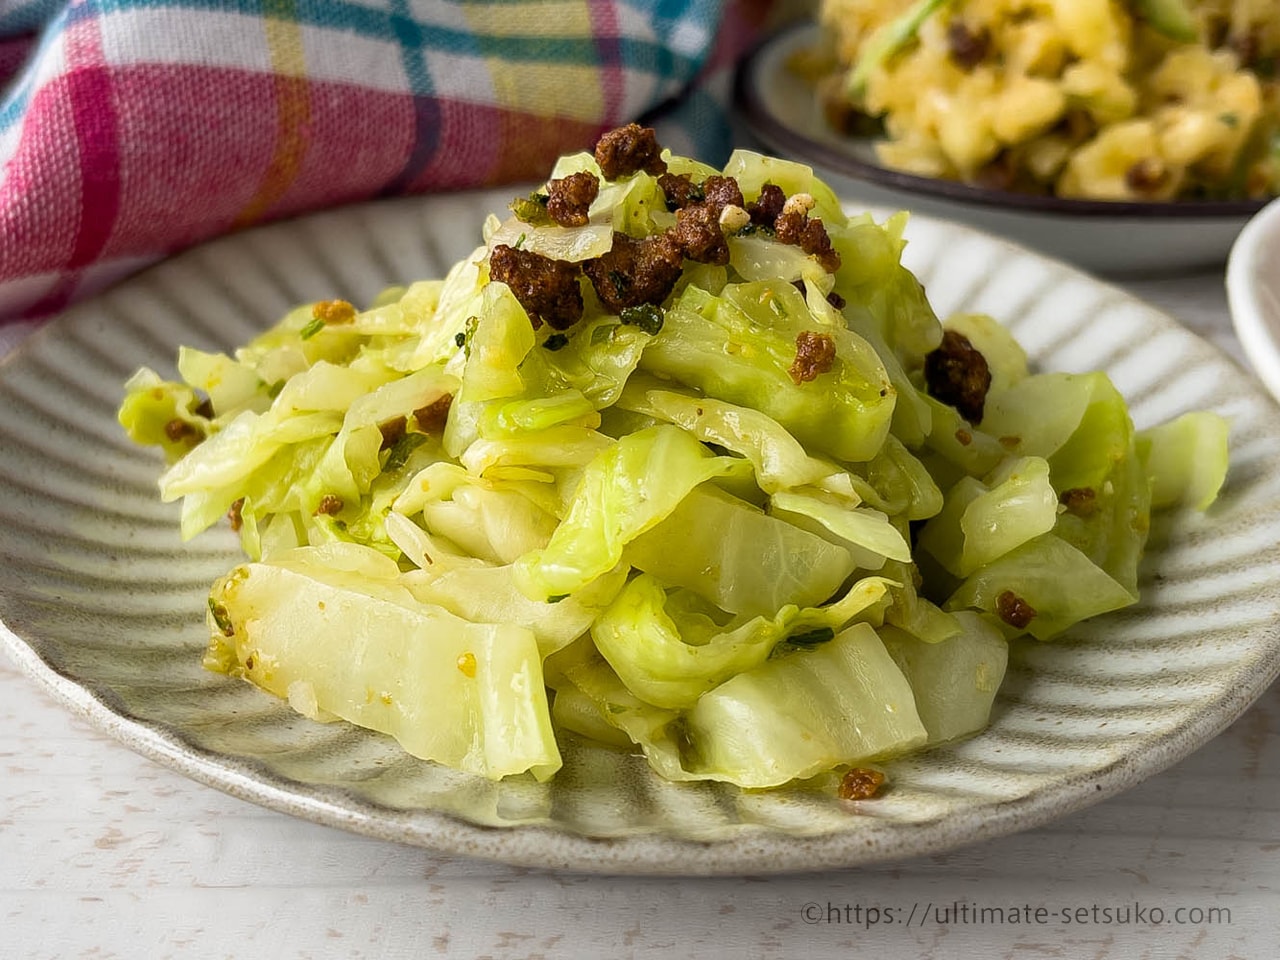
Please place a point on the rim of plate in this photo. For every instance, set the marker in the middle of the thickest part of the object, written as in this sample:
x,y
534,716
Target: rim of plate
x,y
758,68
753,852
1255,309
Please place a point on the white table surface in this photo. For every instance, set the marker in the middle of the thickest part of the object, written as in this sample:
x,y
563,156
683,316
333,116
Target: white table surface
x,y
104,854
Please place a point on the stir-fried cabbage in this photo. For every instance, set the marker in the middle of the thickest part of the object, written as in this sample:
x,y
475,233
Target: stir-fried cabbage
x,y
766,522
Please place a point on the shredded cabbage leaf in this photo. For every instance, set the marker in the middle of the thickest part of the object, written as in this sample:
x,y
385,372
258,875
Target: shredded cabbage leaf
x,y
722,510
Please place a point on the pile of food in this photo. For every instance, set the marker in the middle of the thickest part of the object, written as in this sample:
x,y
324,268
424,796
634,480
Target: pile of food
x,y
1100,99
685,447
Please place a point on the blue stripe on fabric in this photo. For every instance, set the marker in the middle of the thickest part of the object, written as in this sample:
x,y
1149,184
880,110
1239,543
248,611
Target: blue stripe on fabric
x,y
28,16
16,101
426,109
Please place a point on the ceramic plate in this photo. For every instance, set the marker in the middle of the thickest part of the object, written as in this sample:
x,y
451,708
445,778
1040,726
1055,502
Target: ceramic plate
x,y
104,607
1253,291
1105,237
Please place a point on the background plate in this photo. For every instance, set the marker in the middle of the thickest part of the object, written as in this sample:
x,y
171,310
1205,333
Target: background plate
x,y
1113,238
103,605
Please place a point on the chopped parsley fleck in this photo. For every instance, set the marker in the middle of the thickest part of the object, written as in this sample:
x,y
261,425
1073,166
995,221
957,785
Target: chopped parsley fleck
x,y
221,618
398,453
556,598
519,242
643,316
472,323
811,638
531,209
555,342
311,329
603,333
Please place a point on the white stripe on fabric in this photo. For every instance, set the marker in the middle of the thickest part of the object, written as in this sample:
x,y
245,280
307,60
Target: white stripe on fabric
x,y
337,57
186,36
461,77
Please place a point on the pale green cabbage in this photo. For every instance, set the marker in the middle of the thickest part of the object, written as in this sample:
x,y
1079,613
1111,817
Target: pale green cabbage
x,y
472,532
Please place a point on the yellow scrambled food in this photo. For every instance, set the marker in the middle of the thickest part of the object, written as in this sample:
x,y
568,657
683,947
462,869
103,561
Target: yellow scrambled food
x,y
1103,99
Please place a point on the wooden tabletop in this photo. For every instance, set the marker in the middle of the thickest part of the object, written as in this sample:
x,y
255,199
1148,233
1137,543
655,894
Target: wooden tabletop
x,y
104,854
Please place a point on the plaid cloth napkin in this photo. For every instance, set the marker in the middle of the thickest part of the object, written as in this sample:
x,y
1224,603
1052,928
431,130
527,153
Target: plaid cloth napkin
x,y
130,129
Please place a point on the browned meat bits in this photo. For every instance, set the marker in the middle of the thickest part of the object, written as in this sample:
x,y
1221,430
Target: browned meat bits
x,y
957,374
330,504
628,150
547,289
860,783
697,233
635,271
680,190
721,192
1080,501
333,311
569,198
809,235
1013,610
967,47
768,206
815,353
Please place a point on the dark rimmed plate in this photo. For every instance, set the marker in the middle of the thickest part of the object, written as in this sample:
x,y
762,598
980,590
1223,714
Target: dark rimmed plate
x,y
1115,238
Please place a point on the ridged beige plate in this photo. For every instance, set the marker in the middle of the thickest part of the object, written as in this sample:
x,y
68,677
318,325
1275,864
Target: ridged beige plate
x,y
104,607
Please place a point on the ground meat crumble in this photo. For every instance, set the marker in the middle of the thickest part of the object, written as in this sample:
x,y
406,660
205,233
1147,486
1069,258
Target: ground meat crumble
x,y
957,374
680,190
809,235
547,289
635,271
569,198
333,311
721,192
1013,610
697,232
815,353
860,783
1081,501
768,206
628,150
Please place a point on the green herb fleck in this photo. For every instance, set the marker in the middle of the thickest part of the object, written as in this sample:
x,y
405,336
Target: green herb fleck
x,y
221,618
644,316
603,333
472,323
811,638
532,209
1229,120
557,597
273,391
398,453
555,342
519,241
459,339
311,329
